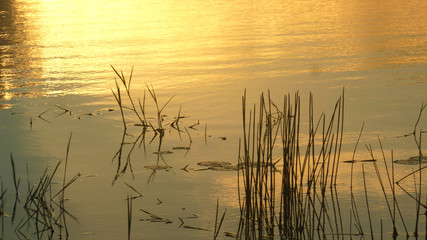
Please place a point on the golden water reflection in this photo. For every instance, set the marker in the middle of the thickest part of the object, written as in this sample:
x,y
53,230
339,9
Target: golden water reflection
x,y
20,70
69,45
205,52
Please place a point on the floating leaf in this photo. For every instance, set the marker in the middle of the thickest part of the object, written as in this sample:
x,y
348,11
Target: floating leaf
x,y
217,166
157,167
213,164
412,161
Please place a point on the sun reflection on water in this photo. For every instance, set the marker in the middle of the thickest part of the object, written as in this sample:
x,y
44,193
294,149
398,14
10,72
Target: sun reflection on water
x,y
207,53
70,44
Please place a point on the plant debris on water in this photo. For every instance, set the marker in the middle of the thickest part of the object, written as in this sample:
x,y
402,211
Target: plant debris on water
x,y
412,160
157,167
217,166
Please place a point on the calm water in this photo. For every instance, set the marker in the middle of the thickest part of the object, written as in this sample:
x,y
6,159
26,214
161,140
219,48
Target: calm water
x,y
205,54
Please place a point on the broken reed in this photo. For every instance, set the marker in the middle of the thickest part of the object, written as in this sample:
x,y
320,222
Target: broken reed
x,y
293,204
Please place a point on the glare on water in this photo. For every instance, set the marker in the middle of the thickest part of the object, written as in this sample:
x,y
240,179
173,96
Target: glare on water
x,y
57,55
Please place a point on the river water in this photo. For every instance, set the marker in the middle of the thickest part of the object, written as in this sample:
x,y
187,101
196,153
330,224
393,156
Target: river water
x,y
57,55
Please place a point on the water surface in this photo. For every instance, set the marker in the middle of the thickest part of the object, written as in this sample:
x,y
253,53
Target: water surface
x,y
205,54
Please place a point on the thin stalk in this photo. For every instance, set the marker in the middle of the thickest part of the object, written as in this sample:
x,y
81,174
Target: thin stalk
x,y
129,214
15,181
367,202
118,98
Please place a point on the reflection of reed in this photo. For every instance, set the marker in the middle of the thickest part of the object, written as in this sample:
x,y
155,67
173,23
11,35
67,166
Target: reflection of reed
x,y
127,103
124,152
418,191
129,213
123,167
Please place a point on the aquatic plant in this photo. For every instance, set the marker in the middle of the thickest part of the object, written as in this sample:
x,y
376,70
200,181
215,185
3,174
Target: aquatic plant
x,y
299,205
137,108
283,187
218,225
129,213
44,212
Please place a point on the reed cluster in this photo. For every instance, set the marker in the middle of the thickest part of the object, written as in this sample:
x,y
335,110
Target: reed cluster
x,y
287,186
139,110
283,189
134,112
44,215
